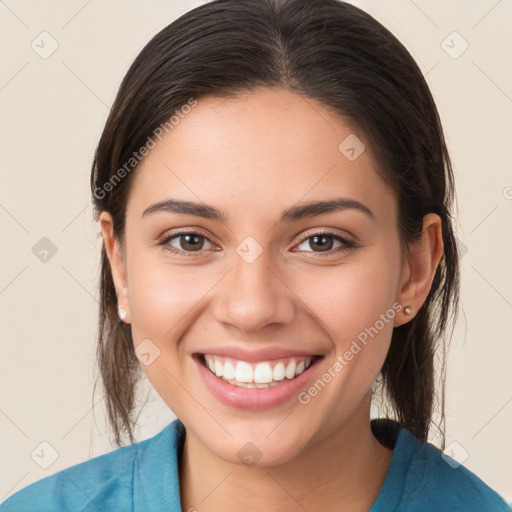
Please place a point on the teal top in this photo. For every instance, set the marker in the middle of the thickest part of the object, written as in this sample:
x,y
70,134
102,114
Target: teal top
x,y
143,477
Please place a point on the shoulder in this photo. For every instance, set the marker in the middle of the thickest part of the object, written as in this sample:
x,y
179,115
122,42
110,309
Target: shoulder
x,y
101,483
435,481
80,487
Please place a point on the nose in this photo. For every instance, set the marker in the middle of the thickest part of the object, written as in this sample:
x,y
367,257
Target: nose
x,y
254,295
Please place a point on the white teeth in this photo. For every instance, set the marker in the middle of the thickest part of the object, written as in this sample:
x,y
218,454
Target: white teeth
x,y
229,370
251,385
263,373
290,370
218,368
243,372
211,364
278,373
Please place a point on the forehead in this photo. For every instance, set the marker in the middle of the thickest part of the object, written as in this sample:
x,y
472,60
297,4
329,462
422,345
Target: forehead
x,y
259,152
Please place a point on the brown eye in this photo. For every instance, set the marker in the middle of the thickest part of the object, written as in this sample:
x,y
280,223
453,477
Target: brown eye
x,y
324,242
190,242
184,244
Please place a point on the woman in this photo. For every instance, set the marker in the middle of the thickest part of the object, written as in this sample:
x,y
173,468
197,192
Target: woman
x,y
274,194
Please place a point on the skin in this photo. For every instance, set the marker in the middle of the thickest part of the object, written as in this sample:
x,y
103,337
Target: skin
x,y
252,157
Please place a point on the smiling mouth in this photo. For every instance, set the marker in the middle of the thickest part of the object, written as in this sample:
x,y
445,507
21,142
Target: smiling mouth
x,y
263,374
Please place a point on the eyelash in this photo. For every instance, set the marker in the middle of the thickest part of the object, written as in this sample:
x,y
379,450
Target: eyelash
x,y
347,244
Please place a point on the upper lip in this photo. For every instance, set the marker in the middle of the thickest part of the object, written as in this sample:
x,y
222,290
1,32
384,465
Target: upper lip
x,y
253,355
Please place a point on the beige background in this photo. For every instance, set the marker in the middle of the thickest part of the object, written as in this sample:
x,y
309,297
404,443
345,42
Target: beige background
x,y
53,111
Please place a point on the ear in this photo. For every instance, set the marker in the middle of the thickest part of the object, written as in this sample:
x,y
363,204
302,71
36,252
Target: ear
x,y
420,267
116,258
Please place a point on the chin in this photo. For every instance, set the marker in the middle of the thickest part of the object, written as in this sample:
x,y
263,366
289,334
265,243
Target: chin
x,y
268,453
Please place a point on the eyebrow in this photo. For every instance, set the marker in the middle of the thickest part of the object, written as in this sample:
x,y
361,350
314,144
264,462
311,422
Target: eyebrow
x,y
293,214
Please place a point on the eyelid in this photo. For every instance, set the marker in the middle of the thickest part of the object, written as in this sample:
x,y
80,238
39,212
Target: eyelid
x,y
326,231
185,231
306,234
167,237
348,243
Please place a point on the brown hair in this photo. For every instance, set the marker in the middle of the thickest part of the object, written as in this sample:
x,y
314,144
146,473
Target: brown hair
x,y
342,57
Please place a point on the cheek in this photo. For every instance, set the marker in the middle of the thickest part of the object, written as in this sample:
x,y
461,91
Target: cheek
x,y
162,295
352,297
162,298
354,303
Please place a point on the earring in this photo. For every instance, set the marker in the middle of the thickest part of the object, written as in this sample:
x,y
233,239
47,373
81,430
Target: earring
x,y
121,312
408,310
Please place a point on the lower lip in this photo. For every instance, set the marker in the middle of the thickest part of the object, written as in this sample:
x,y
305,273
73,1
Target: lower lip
x,y
254,398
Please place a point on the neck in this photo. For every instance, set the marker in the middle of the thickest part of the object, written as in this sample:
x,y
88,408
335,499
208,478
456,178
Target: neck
x,y
345,468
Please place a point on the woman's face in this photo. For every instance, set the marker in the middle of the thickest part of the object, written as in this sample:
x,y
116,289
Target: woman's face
x,y
257,292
